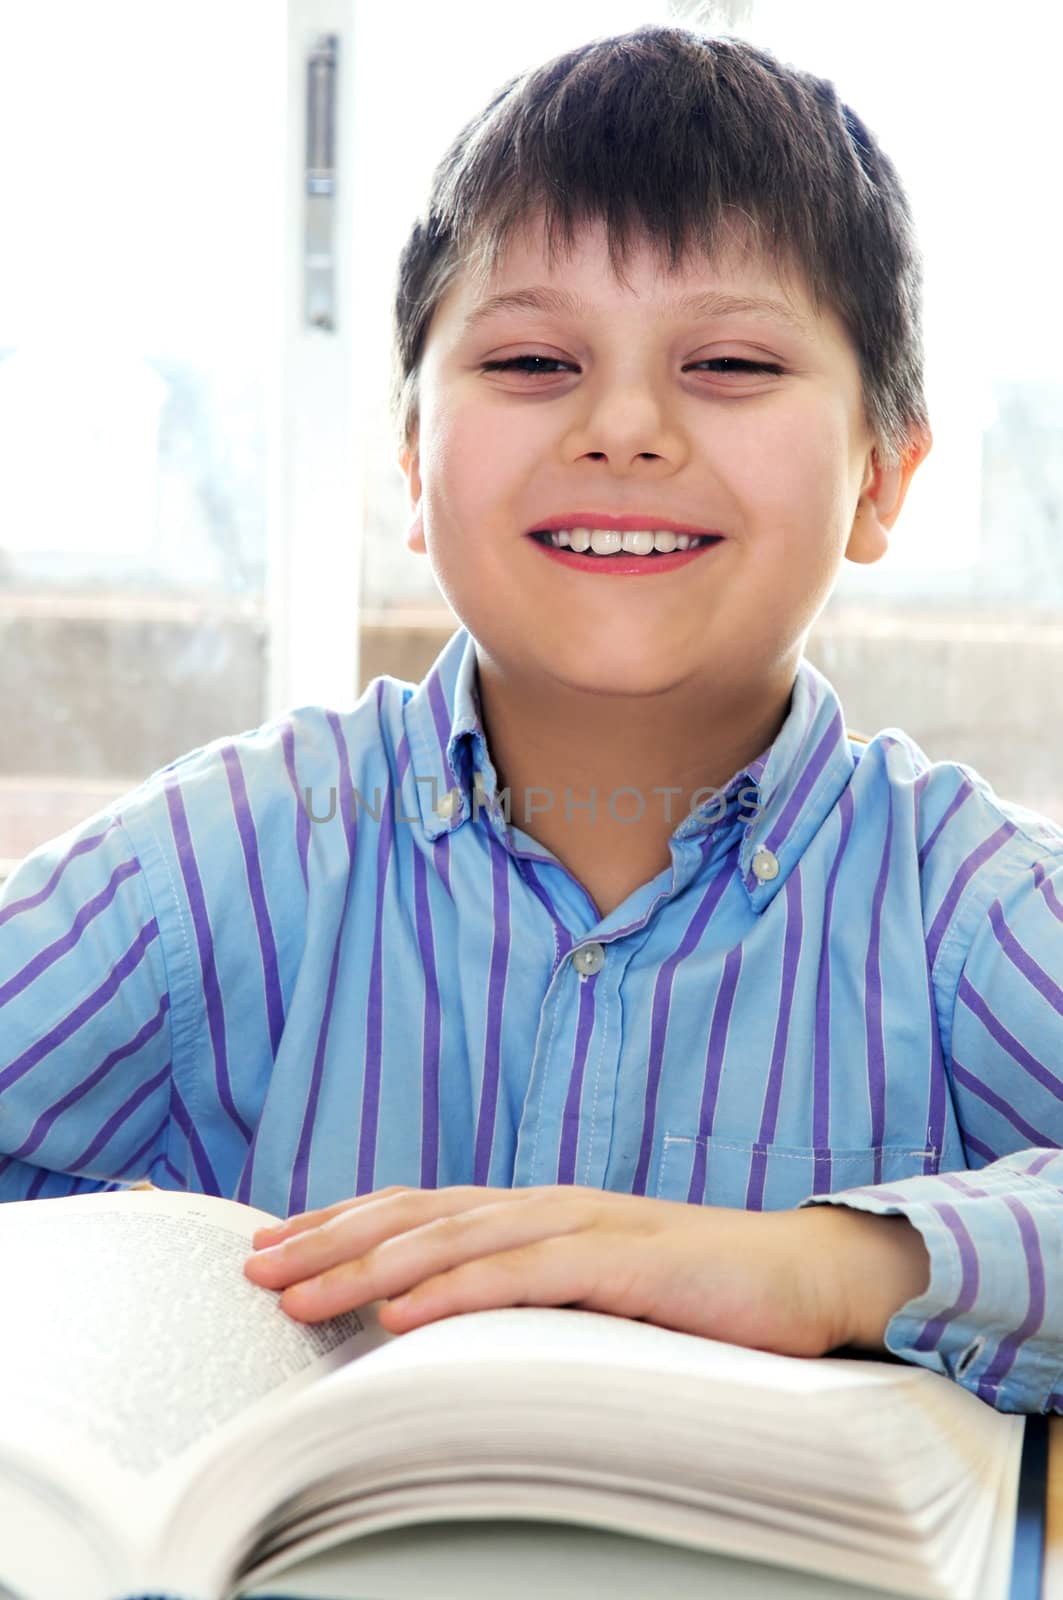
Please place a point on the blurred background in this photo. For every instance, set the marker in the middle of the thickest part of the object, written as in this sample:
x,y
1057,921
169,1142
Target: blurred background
x,y
201,515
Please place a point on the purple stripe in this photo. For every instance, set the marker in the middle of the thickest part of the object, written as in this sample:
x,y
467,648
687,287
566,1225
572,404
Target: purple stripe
x,y
940,1092
967,1080
563,940
143,1092
965,1185
302,821
169,1167
133,1169
932,1330
1021,959
430,1026
787,988
47,1119
1007,1041
1044,883
40,895
828,742
367,1133
197,906
51,953
721,1016
821,1164
244,1182
662,995
974,1146
876,1047
267,945
496,993
205,1173
1007,1349
298,1187
963,793
1042,1159
441,843
570,1119
717,1046
443,720
968,867
81,1013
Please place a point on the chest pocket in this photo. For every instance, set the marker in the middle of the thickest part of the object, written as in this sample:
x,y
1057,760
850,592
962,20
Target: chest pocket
x,y
750,1175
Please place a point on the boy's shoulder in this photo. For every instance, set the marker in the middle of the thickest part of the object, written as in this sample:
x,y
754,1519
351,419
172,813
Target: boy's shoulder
x,y
973,847
261,779
303,742
941,788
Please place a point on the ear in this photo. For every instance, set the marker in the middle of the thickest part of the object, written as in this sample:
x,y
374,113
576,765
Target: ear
x,y
881,498
410,467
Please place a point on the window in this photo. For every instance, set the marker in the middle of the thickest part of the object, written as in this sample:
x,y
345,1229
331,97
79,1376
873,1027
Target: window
x,y
135,365
201,515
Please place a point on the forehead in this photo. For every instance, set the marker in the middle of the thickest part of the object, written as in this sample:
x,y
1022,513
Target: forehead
x,y
579,278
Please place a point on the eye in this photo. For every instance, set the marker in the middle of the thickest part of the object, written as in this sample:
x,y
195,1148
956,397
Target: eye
x,y
533,365
524,363
736,363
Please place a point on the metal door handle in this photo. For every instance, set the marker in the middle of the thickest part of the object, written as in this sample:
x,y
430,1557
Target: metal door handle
x,y
320,169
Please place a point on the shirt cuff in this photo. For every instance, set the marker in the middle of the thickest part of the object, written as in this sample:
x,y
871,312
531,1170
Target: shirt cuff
x,y
990,1317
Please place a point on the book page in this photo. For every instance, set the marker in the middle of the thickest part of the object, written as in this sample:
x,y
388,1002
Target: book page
x,y
129,1322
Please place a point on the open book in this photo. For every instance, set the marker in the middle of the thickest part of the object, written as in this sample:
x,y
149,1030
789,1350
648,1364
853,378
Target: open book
x,y
166,1428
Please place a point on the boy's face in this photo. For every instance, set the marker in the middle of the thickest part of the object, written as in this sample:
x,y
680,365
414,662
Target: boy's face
x,y
779,463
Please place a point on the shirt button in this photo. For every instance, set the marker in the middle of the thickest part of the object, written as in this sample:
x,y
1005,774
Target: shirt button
x,y
765,865
589,959
449,803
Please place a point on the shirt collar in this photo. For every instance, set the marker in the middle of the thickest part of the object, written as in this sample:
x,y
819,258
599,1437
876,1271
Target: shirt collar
x,y
797,779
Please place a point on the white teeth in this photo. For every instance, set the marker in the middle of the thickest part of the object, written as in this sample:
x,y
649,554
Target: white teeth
x,y
637,544
608,542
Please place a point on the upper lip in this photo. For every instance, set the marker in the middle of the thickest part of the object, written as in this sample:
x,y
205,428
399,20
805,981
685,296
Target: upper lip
x,y
635,523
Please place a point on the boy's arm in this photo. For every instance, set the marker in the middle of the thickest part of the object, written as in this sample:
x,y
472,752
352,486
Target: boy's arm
x,y
992,1313
85,1047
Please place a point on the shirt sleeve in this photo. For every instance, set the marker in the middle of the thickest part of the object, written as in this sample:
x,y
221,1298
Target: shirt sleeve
x,y
85,1047
991,1316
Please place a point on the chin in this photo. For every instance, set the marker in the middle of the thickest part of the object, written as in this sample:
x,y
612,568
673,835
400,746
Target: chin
x,y
616,679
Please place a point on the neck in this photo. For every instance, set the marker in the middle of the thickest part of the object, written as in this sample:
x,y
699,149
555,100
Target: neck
x,y
556,748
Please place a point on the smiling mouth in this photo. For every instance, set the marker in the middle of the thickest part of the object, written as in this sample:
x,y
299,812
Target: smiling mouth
x,y
624,563
691,542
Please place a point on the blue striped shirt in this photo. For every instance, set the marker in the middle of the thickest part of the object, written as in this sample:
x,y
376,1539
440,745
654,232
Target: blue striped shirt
x,y
288,968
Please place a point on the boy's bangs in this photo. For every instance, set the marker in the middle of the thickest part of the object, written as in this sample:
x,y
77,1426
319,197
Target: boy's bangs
x,y
685,240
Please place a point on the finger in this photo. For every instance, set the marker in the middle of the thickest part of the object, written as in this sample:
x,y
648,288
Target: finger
x,y
301,1220
399,1265
546,1272
355,1229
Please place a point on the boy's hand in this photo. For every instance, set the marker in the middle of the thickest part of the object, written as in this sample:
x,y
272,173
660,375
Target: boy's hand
x,y
776,1280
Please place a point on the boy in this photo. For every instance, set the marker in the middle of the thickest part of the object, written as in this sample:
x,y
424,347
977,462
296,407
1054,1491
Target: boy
x,y
601,1051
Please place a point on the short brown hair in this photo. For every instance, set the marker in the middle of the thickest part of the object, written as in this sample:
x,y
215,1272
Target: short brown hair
x,y
668,134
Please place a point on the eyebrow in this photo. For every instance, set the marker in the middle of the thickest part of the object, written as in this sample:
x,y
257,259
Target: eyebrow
x,y
706,303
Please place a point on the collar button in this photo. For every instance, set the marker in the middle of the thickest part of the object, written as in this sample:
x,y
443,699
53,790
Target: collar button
x,y
765,865
449,803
